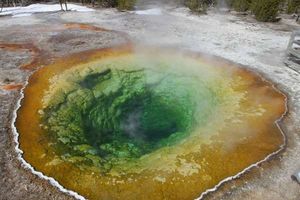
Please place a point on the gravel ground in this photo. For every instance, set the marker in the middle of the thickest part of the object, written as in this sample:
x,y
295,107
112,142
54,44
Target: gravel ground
x,y
259,46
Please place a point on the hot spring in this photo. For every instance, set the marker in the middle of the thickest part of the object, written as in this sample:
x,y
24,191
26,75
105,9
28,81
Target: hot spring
x,y
146,124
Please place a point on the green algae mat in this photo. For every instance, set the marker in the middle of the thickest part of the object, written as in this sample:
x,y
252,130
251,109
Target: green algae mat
x,y
147,124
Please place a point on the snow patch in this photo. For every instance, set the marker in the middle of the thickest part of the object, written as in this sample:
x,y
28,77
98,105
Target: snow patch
x,y
38,8
152,11
22,15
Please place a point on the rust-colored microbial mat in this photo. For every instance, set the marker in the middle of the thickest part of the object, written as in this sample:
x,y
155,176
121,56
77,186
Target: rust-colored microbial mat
x,y
37,53
149,125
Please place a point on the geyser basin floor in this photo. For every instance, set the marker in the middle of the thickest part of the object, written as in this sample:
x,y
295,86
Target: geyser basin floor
x,y
153,125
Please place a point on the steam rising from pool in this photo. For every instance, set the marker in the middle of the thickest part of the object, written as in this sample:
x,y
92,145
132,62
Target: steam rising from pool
x,y
149,125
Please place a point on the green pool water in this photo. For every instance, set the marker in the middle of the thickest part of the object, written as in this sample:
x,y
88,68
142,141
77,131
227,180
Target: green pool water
x,y
115,115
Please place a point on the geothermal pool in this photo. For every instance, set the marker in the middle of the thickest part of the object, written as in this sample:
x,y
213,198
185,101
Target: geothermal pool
x,y
145,123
